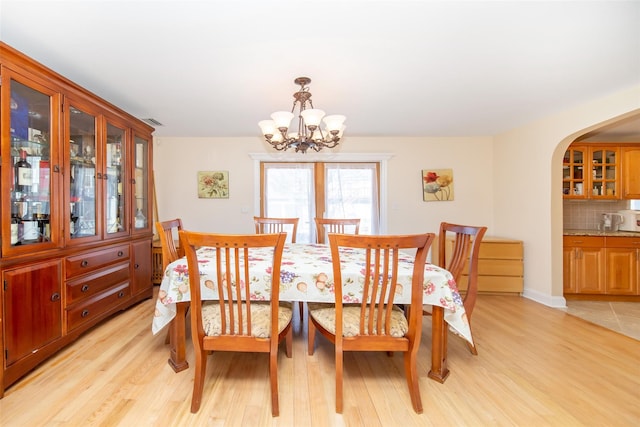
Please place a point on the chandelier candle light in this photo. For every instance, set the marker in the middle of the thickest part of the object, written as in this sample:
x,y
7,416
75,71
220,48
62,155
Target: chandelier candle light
x,y
309,134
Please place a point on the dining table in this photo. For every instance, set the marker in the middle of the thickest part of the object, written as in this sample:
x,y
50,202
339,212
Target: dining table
x,y
306,276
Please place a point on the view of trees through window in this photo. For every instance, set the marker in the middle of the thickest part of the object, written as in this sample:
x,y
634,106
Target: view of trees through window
x,y
330,190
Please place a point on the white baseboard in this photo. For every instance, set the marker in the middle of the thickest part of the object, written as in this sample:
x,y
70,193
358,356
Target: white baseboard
x,y
548,300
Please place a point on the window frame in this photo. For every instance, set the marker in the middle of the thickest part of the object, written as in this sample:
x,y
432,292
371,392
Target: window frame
x,y
381,158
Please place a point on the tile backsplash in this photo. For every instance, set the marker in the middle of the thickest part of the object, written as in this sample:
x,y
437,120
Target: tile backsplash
x,y
586,214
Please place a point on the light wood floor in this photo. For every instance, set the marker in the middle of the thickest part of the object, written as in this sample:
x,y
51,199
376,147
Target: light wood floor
x,y
536,366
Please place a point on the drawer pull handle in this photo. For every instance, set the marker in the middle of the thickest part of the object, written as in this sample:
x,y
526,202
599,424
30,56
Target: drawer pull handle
x,y
120,294
84,263
84,313
120,253
55,297
84,288
136,266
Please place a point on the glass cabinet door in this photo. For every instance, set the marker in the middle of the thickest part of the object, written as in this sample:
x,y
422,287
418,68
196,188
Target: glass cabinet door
x,y
30,174
114,176
141,183
82,176
573,176
605,173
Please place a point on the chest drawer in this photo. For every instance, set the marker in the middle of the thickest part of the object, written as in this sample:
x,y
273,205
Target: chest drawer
x,y
100,305
87,262
87,286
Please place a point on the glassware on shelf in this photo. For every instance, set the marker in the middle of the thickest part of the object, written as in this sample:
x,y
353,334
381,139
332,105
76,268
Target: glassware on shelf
x,y
141,220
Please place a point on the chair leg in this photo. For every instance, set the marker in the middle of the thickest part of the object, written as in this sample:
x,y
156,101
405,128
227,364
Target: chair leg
x,y
311,336
273,378
411,372
472,347
198,381
339,369
288,342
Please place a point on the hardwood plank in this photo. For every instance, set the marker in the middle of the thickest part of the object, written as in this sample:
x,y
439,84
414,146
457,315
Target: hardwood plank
x,y
536,366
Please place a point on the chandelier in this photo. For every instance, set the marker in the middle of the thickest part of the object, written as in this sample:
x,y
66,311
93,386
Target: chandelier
x,y
308,135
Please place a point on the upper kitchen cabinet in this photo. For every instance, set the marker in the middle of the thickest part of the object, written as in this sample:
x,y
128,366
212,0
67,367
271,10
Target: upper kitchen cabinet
x,y
573,173
631,172
591,172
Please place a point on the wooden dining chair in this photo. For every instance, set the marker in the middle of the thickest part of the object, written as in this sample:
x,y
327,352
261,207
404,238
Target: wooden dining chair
x,y
458,250
233,322
335,225
168,232
276,225
372,322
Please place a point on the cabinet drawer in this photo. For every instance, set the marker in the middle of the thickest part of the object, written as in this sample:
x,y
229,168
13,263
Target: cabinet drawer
x,y
94,307
85,263
495,284
623,242
500,267
500,250
94,283
583,241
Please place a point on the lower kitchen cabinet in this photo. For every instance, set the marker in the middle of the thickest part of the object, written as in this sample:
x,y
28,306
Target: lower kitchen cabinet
x,y
601,265
584,265
623,265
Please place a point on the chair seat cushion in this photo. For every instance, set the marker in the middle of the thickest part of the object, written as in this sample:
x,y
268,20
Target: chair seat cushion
x,y
325,315
260,319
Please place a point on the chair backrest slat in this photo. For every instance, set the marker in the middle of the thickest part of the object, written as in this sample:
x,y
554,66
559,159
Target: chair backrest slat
x,y
268,225
335,225
166,231
464,253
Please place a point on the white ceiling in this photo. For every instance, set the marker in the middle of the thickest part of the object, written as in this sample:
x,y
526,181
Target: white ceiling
x,y
406,68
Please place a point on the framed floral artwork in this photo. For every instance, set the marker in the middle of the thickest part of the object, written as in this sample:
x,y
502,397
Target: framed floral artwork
x,y
437,185
213,185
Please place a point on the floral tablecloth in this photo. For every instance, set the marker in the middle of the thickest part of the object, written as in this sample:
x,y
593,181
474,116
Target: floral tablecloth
x,y
306,275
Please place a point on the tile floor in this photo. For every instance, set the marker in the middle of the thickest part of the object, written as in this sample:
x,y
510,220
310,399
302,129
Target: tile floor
x,y
623,317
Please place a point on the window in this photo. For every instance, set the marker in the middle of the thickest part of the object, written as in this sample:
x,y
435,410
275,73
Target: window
x,y
330,190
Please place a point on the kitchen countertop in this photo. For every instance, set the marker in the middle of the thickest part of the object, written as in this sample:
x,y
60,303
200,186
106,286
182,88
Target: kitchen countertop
x,y
600,233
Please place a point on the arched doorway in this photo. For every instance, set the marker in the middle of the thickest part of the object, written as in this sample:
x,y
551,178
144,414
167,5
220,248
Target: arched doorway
x,y
583,214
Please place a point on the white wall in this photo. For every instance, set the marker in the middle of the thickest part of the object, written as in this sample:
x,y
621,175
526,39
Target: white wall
x,y
510,183
177,160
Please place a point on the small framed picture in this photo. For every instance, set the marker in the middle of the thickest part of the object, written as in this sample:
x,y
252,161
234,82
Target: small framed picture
x,y
213,184
437,185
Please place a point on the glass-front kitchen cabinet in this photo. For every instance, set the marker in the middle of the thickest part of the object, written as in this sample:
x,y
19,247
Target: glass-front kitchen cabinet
x,y
75,207
591,172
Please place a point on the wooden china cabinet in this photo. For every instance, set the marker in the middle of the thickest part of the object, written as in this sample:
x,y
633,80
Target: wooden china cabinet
x,y
74,206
